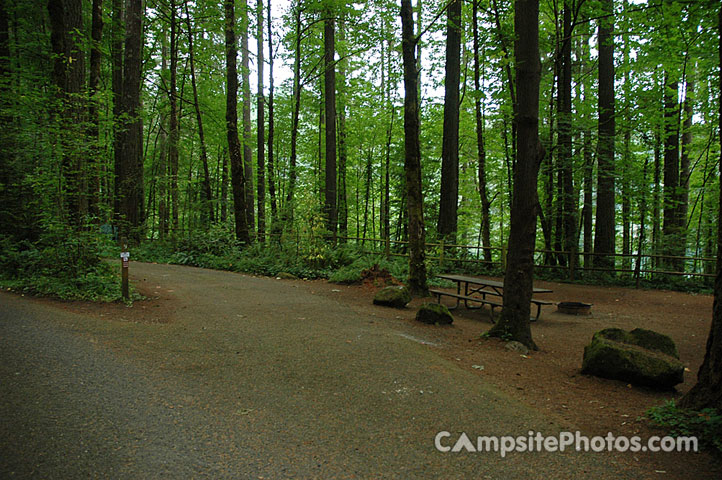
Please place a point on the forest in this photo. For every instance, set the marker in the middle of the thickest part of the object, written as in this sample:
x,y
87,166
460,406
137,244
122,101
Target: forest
x,y
201,130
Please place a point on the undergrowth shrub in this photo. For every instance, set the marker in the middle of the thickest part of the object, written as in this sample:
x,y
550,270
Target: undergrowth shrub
x,y
706,424
63,263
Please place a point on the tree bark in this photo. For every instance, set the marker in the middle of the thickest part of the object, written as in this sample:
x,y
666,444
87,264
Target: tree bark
x,y
670,227
684,161
234,144
66,20
271,168
480,148
131,141
330,205
519,278
246,86
342,152
447,224
174,133
224,185
116,51
163,141
656,199
605,224
587,217
260,128
566,160
412,156
288,208
96,36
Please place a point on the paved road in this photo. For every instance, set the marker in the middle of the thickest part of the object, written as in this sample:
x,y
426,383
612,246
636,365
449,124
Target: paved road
x,y
253,378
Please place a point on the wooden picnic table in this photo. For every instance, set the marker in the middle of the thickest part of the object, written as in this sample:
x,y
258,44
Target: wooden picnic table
x,y
482,285
474,286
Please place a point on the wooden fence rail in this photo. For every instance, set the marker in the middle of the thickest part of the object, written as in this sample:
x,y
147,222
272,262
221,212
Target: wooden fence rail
x,y
443,253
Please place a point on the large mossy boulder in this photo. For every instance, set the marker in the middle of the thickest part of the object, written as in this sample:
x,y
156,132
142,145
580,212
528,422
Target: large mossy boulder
x,y
434,314
640,357
396,296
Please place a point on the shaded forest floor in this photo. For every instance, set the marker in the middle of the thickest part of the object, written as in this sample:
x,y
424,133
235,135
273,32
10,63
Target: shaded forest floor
x,y
549,380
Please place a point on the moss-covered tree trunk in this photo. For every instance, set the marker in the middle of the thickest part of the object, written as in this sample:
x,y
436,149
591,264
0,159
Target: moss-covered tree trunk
x,y
447,224
234,144
412,156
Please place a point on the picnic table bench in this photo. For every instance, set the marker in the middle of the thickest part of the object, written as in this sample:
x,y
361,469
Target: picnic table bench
x,y
474,286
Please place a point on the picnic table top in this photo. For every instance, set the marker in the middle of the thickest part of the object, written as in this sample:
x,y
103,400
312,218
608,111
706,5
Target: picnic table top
x,y
484,282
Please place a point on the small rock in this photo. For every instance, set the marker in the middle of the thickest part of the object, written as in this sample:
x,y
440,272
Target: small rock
x,y
395,296
434,314
286,276
515,346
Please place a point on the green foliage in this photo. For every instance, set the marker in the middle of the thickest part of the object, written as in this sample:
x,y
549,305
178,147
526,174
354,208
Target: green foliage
x,y
352,273
706,424
63,263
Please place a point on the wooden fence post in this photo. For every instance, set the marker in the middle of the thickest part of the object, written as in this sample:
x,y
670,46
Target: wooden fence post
x,y
441,256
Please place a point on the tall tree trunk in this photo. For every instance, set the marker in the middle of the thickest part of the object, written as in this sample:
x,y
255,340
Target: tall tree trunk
x,y
246,86
707,392
511,159
163,144
447,224
321,157
412,156
174,127
670,228
569,196
588,198
519,278
260,127
684,161
342,153
224,186
627,163
271,173
116,52
605,224
131,141
656,199
329,46
66,20
292,173
481,150
234,145
96,35
368,179
207,209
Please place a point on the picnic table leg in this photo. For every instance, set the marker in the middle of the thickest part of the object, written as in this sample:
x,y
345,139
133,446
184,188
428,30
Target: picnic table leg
x,y
466,294
538,312
438,300
458,292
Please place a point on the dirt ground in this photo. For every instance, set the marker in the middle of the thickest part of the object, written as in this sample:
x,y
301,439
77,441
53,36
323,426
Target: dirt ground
x,y
549,379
